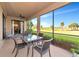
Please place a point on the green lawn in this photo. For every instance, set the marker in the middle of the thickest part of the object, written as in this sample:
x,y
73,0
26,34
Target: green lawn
x,y
63,38
67,38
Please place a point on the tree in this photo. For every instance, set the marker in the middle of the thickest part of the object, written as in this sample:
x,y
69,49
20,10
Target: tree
x,y
73,26
41,26
62,25
70,26
31,24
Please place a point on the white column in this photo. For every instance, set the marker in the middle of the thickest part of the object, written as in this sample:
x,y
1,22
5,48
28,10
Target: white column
x,y
12,27
21,27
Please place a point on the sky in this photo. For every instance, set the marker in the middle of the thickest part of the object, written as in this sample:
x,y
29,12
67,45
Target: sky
x,y
46,20
34,21
67,14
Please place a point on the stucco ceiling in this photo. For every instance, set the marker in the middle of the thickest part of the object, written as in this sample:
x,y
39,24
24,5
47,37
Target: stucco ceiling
x,y
24,8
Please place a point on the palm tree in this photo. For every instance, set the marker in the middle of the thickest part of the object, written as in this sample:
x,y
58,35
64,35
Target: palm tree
x,y
62,25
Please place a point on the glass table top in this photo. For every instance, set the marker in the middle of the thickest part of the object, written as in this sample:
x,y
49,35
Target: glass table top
x,y
30,38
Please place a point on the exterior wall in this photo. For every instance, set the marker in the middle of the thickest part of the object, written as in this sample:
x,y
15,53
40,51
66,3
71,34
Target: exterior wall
x,y
1,24
8,25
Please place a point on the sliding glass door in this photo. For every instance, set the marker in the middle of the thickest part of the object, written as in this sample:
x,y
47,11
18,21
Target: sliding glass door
x,y
17,27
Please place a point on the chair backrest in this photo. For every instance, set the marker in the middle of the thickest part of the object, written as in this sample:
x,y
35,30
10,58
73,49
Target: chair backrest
x,y
18,40
46,44
8,35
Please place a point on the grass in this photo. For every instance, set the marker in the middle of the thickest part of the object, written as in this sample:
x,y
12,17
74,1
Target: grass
x,y
67,38
63,38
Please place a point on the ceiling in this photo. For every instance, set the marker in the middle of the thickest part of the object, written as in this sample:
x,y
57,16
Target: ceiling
x,y
25,8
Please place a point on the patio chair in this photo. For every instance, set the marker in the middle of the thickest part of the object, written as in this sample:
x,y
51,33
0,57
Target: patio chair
x,y
18,45
8,36
42,49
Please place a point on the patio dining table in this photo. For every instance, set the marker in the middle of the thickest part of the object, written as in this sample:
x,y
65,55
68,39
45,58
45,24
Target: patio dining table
x,y
28,38
31,39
